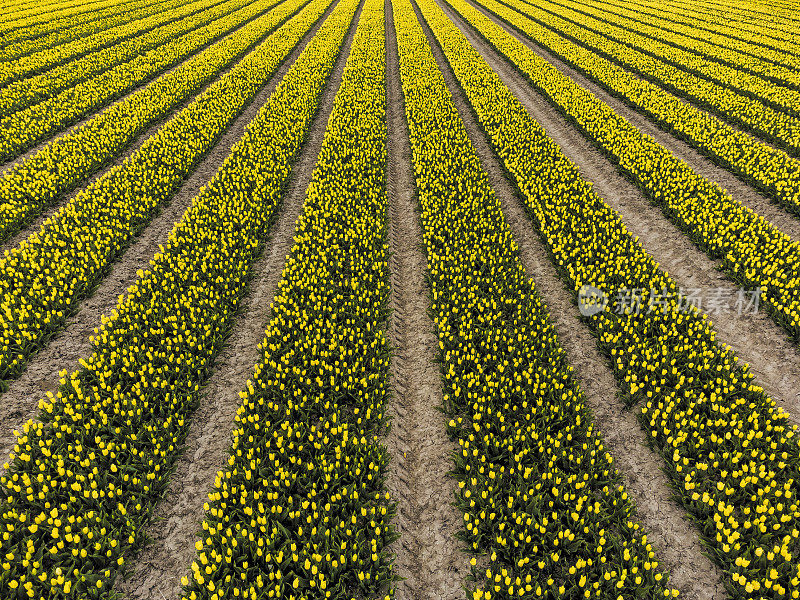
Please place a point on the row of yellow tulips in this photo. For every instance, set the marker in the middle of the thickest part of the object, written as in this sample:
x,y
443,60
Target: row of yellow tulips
x,y
771,170
16,23
83,481
743,73
718,42
763,31
44,279
300,510
47,58
102,20
13,7
780,128
30,91
752,250
732,455
757,32
61,165
539,492
776,15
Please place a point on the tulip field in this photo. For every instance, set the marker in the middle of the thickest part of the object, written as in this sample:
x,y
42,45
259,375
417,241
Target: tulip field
x,y
414,299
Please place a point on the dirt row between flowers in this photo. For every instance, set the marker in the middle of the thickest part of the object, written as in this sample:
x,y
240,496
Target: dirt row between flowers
x,y
755,338
20,402
675,539
428,556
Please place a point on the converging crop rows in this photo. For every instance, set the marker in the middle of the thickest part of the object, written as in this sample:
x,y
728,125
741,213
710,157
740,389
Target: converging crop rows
x,y
110,110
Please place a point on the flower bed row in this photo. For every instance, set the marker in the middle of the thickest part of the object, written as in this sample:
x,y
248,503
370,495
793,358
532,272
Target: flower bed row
x,y
771,170
717,41
43,279
32,90
775,21
778,127
742,73
539,492
64,163
17,23
102,20
83,481
753,251
30,126
300,509
732,455
48,58
767,33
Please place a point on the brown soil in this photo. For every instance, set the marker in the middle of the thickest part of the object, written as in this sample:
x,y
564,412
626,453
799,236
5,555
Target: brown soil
x,y
675,539
428,556
20,402
773,357
155,573
742,191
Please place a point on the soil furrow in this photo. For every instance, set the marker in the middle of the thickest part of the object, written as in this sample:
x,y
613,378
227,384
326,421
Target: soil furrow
x,y
674,537
704,166
773,357
155,573
428,556
20,402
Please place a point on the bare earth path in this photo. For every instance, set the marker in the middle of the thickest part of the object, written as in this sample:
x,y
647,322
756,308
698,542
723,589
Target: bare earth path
x,y
20,402
702,165
674,537
428,556
773,357
155,573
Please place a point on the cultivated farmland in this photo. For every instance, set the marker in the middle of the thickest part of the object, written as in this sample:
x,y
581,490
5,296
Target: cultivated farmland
x,y
414,299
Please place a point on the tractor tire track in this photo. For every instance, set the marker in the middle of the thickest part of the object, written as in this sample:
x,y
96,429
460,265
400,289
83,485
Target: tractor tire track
x,y
429,558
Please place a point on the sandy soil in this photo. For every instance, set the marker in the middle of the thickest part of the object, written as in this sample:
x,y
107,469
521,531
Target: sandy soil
x,y
674,537
157,570
773,357
428,556
51,207
20,402
741,190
